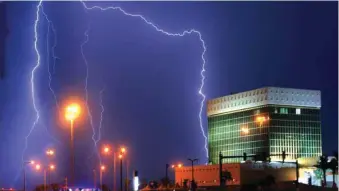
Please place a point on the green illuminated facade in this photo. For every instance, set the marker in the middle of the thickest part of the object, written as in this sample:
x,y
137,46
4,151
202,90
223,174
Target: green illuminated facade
x,y
268,120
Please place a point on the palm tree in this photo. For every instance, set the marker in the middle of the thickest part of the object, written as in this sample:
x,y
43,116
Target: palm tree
x,y
323,165
333,165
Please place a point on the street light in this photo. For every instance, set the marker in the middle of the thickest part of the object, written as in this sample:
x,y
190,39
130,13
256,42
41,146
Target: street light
x,y
51,167
24,171
107,150
102,169
122,152
50,152
72,112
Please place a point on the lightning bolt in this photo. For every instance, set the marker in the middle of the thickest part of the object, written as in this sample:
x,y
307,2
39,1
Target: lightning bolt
x,y
51,26
186,32
39,8
86,90
36,22
36,66
101,116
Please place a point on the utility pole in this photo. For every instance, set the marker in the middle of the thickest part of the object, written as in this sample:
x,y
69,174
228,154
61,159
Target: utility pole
x,y
192,161
45,172
193,185
94,179
66,183
166,175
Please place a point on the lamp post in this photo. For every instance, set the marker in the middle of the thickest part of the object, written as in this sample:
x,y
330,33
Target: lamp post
x,y
72,112
45,169
177,166
102,169
107,150
122,152
192,161
120,157
24,171
50,153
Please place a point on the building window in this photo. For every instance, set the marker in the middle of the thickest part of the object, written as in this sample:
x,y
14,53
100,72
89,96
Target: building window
x,y
283,111
298,111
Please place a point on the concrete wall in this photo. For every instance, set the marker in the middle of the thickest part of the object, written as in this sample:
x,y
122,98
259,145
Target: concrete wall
x,y
207,175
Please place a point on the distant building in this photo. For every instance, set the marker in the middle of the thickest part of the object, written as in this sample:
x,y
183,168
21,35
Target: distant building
x,y
269,119
241,173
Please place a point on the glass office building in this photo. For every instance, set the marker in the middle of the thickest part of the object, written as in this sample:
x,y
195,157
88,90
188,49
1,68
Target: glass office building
x,y
268,120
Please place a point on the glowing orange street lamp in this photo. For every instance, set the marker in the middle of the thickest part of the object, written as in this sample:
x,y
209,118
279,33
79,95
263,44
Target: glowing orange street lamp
x,y
51,167
50,152
123,150
106,149
179,165
37,166
72,112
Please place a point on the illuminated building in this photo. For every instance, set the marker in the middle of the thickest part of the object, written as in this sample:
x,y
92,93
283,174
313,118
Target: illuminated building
x,y
269,119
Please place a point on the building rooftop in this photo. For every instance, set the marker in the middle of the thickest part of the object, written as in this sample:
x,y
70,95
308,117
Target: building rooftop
x,y
264,96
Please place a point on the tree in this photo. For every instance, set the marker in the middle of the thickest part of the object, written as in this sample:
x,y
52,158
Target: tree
x,y
333,165
323,165
226,176
318,174
165,181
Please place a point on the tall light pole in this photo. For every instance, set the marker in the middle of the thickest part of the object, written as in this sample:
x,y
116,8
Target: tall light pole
x,y
107,150
24,171
50,153
122,152
177,166
45,169
72,112
120,157
102,169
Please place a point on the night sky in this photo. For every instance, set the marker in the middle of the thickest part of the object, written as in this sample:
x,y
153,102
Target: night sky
x,y
150,81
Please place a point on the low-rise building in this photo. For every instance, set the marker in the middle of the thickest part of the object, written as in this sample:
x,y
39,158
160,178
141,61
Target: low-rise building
x,y
242,173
